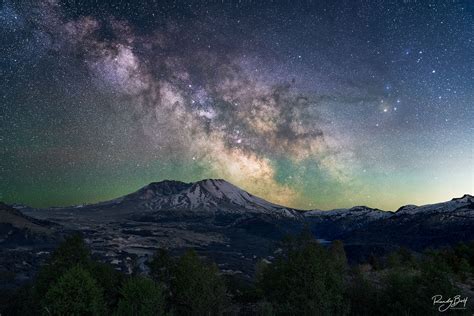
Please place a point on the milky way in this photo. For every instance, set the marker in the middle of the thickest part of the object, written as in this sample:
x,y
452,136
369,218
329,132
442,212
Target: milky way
x,y
308,105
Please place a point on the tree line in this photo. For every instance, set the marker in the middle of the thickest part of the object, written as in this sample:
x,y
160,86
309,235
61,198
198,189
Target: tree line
x,y
305,279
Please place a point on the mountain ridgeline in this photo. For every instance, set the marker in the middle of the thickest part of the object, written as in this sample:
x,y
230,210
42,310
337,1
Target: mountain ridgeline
x,y
210,196
231,226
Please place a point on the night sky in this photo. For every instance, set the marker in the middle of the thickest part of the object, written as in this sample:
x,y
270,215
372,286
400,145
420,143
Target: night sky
x,y
309,104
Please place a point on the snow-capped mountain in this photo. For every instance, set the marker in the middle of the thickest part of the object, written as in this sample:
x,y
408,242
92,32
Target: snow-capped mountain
x,y
353,212
211,195
462,204
410,225
334,223
418,227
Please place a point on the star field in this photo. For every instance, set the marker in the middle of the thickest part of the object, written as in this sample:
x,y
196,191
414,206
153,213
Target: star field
x,y
309,104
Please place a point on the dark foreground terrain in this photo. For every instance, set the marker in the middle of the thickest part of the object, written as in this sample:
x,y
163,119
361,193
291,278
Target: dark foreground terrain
x,y
305,278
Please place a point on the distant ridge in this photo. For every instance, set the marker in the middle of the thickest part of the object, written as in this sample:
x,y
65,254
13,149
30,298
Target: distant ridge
x,y
208,192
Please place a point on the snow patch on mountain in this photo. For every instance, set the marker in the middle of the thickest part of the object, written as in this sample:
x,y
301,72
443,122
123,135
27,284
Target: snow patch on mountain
x,y
356,211
457,204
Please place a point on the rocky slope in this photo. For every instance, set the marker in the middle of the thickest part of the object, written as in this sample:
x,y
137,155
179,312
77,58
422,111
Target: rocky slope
x,y
24,244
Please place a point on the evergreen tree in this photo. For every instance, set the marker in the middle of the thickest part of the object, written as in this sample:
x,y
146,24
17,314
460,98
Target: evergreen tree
x,y
364,297
141,297
75,293
305,280
161,266
70,253
338,254
109,280
197,287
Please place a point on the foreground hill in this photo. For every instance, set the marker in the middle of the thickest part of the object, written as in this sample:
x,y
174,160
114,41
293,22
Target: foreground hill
x,y
17,229
24,242
237,229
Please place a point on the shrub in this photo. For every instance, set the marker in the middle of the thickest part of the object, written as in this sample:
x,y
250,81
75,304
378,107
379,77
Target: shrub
x,y
141,296
306,280
75,293
197,287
